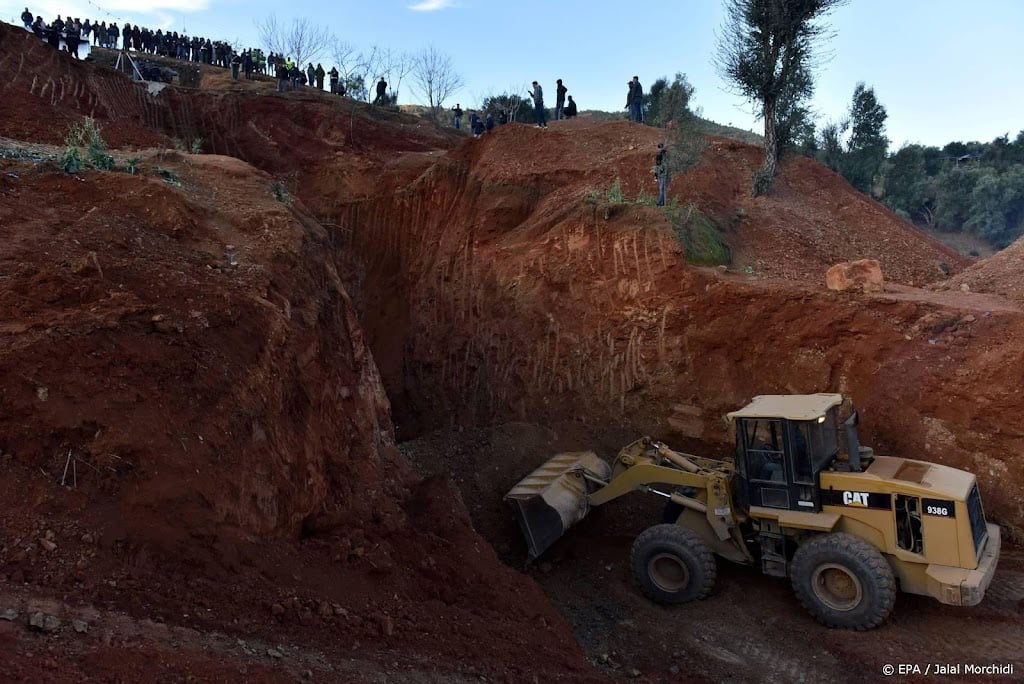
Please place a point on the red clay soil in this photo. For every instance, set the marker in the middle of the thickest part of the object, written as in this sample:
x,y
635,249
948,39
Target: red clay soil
x,y
199,365
498,288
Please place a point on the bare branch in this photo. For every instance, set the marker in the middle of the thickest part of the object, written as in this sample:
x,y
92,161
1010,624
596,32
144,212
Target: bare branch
x,y
435,78
303,40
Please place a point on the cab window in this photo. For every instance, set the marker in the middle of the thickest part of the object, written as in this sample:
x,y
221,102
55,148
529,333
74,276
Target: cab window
x,y
764,450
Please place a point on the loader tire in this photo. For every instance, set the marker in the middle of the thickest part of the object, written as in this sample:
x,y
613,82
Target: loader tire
x,y
672,564
843,581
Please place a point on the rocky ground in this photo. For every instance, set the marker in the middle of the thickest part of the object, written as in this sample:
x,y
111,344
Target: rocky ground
x,y
259,403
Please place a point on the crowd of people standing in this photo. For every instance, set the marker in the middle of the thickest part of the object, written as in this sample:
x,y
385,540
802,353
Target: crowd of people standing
x,y
254,62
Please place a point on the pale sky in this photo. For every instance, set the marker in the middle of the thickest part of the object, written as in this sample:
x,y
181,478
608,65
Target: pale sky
x,y
945,70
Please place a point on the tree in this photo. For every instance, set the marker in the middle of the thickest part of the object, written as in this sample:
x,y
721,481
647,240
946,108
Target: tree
x,y
954,196
867,147
510,102
997,204
831,144
987,217
435,77
395,66
907,184
303,40
765,51
667,105
665,102
793,117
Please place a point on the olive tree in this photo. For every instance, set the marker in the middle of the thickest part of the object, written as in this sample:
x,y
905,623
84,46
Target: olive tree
x,y
765,50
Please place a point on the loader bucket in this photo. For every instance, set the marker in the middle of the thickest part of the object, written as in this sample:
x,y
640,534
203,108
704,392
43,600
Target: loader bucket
x,y
553,498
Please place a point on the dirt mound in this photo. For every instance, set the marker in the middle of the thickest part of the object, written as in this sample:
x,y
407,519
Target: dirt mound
x,y
190,415
999,274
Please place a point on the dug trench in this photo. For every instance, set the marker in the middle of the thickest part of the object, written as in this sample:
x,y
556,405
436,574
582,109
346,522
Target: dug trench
x,y
513,317
258,406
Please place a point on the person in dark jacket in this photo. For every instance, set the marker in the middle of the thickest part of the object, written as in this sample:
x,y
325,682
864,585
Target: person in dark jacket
x,y
53,37
310,74
72,39
27,19
382,92
560,91
634,100
281,73
319,73
334,79
661,173
570,108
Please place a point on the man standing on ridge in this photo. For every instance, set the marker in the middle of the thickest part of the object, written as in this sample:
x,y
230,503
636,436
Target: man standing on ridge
x,y
538,105
560,91
634,100
382,90
281,72
27,18
457,116
319,73
333,73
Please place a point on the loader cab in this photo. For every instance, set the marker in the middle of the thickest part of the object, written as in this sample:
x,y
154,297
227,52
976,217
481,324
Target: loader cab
x,y
782,443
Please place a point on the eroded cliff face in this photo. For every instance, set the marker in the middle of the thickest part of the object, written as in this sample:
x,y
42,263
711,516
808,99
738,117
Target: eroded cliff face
x,y
200,358
500,288
192,421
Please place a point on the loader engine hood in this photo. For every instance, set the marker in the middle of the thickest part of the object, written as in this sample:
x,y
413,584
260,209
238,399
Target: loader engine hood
x,y
925,478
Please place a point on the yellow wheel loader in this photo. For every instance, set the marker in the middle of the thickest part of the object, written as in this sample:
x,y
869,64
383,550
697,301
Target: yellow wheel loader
x,y
801,498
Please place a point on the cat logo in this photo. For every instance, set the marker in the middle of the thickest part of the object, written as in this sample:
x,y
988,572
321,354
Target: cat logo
x,y
855,498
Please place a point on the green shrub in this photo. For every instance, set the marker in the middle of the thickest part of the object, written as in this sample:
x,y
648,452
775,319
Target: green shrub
x,y
131,164
88,134
699,234
100,159
280,191
615,195
167,174
197,146
71,160
646,200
